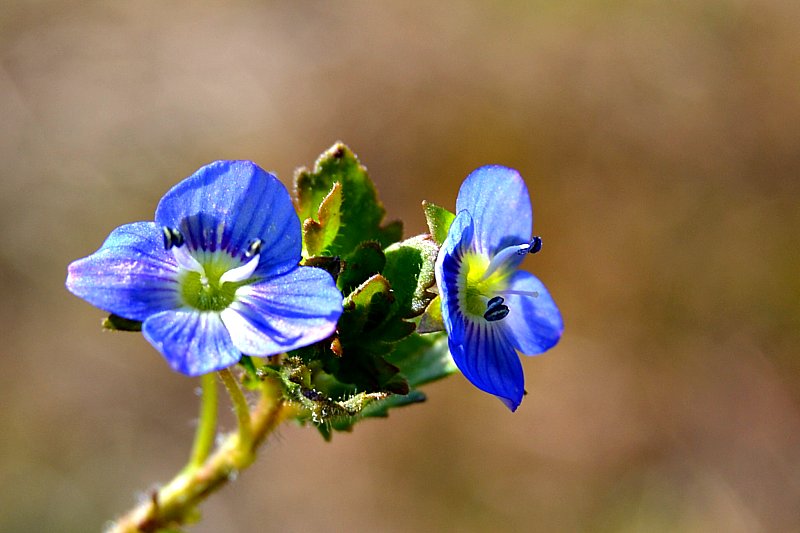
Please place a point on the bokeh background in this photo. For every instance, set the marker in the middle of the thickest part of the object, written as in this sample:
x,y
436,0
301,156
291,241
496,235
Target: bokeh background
x,y
661,144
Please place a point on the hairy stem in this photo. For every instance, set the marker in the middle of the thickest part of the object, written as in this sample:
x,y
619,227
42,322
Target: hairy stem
x,y
176,502
240,406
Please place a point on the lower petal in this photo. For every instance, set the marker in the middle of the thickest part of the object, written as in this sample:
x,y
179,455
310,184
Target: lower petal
x,y
534,323
131,275
290,311
488,360
193,342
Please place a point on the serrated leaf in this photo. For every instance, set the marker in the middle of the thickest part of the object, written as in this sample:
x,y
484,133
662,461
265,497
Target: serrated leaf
x,y
117,323
410,270
439,220
361,211
362,296
320,231
381,408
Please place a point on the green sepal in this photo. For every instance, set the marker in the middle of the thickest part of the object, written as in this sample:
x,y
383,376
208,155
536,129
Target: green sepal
x,y
320,230
117,323
410,270
431,320
331,265
439,220
361,213
380,409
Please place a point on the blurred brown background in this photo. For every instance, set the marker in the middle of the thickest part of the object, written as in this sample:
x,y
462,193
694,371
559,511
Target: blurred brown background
x,y
661,144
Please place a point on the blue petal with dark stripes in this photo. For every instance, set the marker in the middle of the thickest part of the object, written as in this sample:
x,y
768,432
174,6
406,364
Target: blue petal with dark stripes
x,y
486,357
286,312
131,275
448,264
227,204
193,342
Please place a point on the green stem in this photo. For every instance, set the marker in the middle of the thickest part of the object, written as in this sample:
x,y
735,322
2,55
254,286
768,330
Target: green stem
x,y
240,406
176,502
207,425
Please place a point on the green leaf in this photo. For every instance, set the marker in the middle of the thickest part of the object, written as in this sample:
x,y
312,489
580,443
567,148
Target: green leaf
x,y
361,211
377,292
431,320
320,231
366,260
117,323
423,358
439,220
410,270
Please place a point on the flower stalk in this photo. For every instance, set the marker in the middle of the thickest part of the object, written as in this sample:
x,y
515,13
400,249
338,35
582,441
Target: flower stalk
x,y
207,424
240,406
176,502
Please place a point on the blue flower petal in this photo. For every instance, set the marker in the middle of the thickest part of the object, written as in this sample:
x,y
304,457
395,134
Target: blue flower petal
x,y
448,263
534,322
498,200
131,275
459,236
282,313
486,357
193,342
227,204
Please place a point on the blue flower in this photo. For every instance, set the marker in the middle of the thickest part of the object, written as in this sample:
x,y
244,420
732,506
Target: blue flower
x,y
490,309
216,275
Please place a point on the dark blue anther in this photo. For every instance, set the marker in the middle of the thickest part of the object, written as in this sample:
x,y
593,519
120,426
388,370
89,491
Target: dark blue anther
x,y
254,248
498,312
495,310
536,245
497,300
172,237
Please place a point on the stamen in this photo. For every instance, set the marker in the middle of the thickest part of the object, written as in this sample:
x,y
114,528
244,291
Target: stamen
x,y
241,273
505,256
172,237
495,310
253,249
532,294
187,261
534,246
498,312
173,240
497,300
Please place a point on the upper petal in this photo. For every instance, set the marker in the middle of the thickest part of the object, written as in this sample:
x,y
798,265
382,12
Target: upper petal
x,y
131,275
226,205
286,312
488,360
193,342
498,200
534,322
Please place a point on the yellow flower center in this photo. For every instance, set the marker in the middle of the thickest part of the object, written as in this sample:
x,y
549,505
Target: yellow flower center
x,y
475,289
